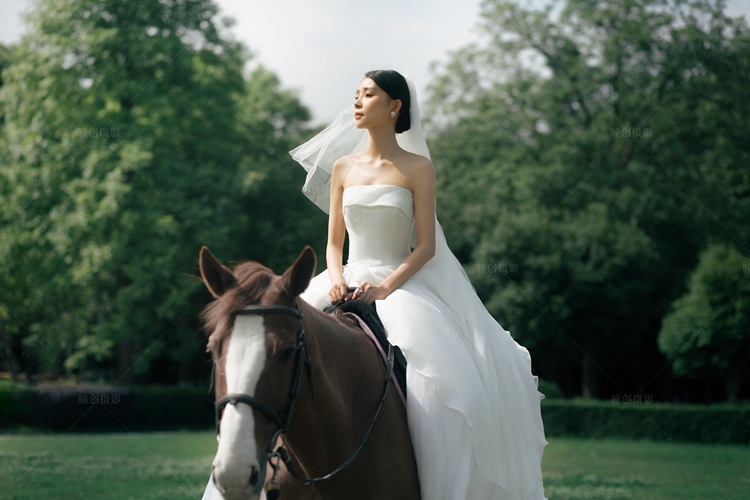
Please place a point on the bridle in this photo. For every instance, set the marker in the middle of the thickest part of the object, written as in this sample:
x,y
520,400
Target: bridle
x,y
282,418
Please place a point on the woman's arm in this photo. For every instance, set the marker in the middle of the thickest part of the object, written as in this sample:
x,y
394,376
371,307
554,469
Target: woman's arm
x,y
424,216
423,181
336,232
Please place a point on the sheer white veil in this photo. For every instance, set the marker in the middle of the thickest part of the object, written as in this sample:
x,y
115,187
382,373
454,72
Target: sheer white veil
x,y
342,137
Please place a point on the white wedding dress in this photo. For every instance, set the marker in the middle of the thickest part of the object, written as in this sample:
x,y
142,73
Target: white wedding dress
x,y
473,407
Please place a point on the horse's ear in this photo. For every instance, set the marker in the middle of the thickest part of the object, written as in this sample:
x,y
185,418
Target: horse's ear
x,y
218,278
299,274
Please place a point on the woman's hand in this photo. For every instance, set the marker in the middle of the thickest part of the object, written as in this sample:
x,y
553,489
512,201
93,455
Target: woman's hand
x,y
369,293
338,291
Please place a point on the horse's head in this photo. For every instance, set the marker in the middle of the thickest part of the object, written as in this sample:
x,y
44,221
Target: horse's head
x,y
255,355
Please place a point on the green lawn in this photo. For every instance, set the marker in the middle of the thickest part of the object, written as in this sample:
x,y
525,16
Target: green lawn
x,y
101,466
176,465
617,469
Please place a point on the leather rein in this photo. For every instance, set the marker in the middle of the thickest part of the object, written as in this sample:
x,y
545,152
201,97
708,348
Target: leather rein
x,y
282,418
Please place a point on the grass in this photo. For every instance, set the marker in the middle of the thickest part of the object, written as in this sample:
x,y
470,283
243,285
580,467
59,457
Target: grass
x,y
615,469
117,466
176,465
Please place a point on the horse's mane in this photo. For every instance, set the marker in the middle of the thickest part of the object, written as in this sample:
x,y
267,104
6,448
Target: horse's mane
x,y
252,280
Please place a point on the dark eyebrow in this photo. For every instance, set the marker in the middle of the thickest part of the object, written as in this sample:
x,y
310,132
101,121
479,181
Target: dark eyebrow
x,y
366,88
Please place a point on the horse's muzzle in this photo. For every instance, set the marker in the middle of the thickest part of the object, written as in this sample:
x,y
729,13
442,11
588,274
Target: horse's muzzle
x,y
238,483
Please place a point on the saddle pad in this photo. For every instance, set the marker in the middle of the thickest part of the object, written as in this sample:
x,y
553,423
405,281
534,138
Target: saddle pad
x,y
382,354
368,314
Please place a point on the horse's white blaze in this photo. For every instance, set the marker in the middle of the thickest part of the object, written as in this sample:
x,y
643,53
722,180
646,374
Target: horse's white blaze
x,y
245,359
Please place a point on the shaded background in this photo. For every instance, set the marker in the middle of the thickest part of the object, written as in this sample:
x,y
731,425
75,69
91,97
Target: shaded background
x,y
592,164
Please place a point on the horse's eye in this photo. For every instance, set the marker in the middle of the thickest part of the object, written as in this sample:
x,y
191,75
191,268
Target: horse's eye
x,y
286,354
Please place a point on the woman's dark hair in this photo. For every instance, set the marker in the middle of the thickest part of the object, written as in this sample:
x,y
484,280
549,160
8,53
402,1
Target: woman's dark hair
x,y
394,84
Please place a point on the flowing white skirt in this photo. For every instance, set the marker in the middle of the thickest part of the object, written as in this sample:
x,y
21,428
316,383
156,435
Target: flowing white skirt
x,y
473,407
211,493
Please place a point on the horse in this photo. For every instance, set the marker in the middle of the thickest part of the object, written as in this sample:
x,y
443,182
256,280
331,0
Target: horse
x,y
265,340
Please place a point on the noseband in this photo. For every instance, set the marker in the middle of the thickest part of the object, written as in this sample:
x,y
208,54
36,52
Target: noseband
x,y
283,417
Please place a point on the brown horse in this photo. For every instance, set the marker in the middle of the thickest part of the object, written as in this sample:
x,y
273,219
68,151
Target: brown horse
x,y
255,355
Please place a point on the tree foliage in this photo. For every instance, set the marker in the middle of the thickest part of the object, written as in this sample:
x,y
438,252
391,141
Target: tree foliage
x,y
707,332
579,192
578,195
130,138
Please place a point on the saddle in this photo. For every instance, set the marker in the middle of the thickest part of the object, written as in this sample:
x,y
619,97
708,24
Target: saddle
x,y
368,314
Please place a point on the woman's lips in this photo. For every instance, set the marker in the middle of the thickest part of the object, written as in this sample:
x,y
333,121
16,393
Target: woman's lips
x,y
358,115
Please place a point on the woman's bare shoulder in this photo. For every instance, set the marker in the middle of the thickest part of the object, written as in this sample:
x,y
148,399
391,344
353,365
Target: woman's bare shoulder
x,y
342,166
418,167
414,160
346,159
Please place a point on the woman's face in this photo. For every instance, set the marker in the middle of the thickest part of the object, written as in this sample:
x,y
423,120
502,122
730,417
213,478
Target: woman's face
x,y
373,106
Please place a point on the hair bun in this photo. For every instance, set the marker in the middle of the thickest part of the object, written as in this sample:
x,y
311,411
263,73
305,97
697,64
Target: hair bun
x,y
394,84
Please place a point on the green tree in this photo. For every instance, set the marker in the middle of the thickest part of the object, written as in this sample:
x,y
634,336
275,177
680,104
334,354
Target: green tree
x,y
131,138
707,332
273,121
597,178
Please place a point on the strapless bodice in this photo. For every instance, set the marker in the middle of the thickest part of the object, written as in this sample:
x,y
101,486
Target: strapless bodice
x,y
379,219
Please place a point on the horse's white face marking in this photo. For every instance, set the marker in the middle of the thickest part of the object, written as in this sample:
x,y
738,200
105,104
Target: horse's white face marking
x,y
245,359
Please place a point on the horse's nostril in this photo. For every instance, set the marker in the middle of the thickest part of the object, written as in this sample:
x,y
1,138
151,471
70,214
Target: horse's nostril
x,y
254,476
216,483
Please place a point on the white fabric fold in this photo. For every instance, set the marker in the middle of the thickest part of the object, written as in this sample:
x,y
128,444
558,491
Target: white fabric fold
x,y
473,366
472,401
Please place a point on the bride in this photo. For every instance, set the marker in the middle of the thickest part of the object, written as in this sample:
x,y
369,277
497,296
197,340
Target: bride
x,y
473,407
472,402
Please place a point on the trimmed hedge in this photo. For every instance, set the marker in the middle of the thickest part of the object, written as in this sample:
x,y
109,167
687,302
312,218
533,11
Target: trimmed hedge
x,y
74,409
94,408
718,423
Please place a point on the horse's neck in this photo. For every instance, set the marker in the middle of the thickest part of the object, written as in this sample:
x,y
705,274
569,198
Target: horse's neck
x,y
345,364
344,359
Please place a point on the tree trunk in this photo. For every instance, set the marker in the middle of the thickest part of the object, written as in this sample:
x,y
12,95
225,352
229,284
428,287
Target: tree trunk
x,y
6,348
125,362
732,382
589,378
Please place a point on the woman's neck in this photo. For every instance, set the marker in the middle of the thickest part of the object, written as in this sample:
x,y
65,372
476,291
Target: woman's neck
x,y
383,143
